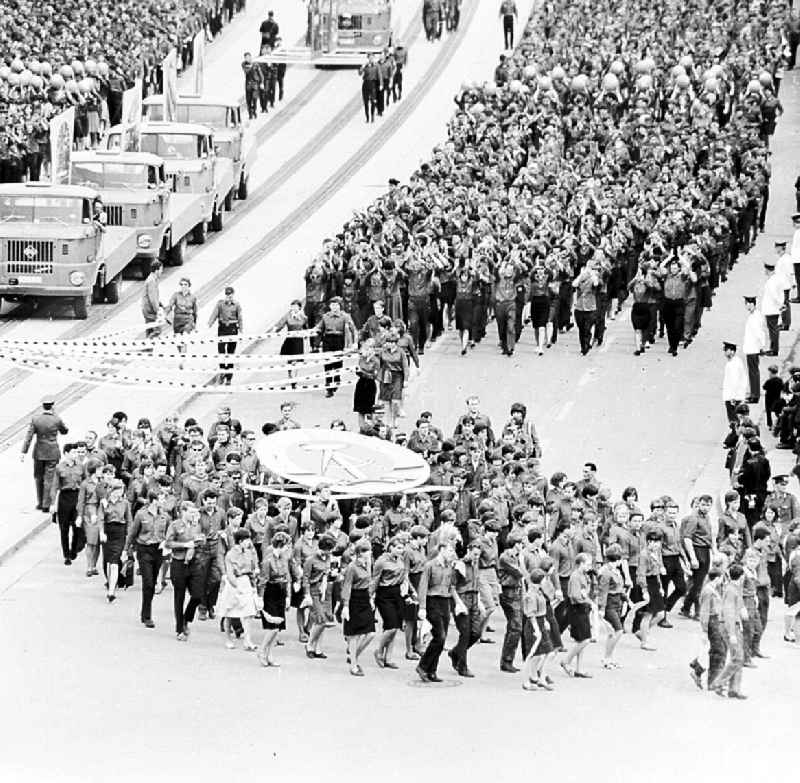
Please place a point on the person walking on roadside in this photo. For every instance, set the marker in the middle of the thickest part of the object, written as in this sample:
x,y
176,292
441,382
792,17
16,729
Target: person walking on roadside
x,y
371,85
227,315
732,613
753,345
772,306
45,426
508,12
734,381
67,479
152,308
697,543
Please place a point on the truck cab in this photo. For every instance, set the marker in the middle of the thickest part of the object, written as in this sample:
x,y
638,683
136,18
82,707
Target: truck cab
x,y
190,163
135,194
227,117
52,247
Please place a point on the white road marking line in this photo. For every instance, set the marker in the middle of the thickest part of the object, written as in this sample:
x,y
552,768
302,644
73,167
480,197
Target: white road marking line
x,y
565,409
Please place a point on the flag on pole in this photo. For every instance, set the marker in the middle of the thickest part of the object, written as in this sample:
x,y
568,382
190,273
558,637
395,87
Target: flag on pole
x,y
131,117
62,128
198,59
169,75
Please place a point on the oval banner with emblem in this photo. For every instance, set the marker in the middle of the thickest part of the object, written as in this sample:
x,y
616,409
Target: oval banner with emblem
x,y
348,463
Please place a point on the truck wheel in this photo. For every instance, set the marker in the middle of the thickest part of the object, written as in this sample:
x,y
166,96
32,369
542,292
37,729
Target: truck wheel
x,y
177,253
229,201
242,196
217,219
199,233
111,291
80,306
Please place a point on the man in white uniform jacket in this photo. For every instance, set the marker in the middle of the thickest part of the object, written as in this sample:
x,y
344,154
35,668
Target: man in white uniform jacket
x,y
753,344
771,305
734,381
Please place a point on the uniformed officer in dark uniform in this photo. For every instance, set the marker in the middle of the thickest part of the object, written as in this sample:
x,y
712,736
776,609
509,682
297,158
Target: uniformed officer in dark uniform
x,y
371,85
67,479
46,453
337,331
228,316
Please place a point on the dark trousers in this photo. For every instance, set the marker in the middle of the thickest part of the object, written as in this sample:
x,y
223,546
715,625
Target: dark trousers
x,y
754,375
797,266
419,315
674,310
66,513
699,574
508,31
251,96
718,648
511,604
672,565
762,598
184,577
775,571
437,611
730,410
773,329
505,313
555,632
585,321
332,342
397,88
786,314
751,628
43,472
226,348
207,566
561,612
149,557
469,630
369,95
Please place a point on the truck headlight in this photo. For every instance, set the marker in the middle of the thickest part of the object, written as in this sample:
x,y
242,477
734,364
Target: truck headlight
x,y
76,277
143,241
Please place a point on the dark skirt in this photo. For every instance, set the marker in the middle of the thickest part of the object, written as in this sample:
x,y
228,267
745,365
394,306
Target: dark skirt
x,y
362,617
322,608
292,346
182,324
640,316
115,543
364,395
297,598
394,389
540,311
448,295
545,645
613,611
274,605
656,604
791,591
464,314
390,606
580,627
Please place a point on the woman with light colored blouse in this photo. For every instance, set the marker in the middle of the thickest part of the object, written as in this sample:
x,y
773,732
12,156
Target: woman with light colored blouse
x,y
358,612
237,597
389,577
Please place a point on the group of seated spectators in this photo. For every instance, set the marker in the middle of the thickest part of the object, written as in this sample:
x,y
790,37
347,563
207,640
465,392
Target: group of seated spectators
x,y
83,54
615,140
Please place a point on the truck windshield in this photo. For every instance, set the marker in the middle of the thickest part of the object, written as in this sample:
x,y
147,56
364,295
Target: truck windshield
x,y
172,146
41,209
215,116
111,175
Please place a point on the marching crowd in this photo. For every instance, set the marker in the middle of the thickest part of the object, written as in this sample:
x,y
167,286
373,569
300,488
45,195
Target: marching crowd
x,y
616,155
492,533
82,54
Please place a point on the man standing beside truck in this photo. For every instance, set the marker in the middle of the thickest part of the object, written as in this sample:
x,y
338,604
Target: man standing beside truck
x,y
152,308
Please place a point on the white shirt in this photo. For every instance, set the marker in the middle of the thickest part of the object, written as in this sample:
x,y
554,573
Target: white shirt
x,y
784,267
755,334
772,297
794,251
734,382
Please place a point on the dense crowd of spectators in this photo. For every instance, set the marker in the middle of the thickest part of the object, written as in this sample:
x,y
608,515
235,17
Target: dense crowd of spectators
x,y
621,150
83,54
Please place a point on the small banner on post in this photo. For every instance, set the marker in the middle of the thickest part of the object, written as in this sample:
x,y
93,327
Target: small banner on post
x,y
131,117
62,128
169,73
199,61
